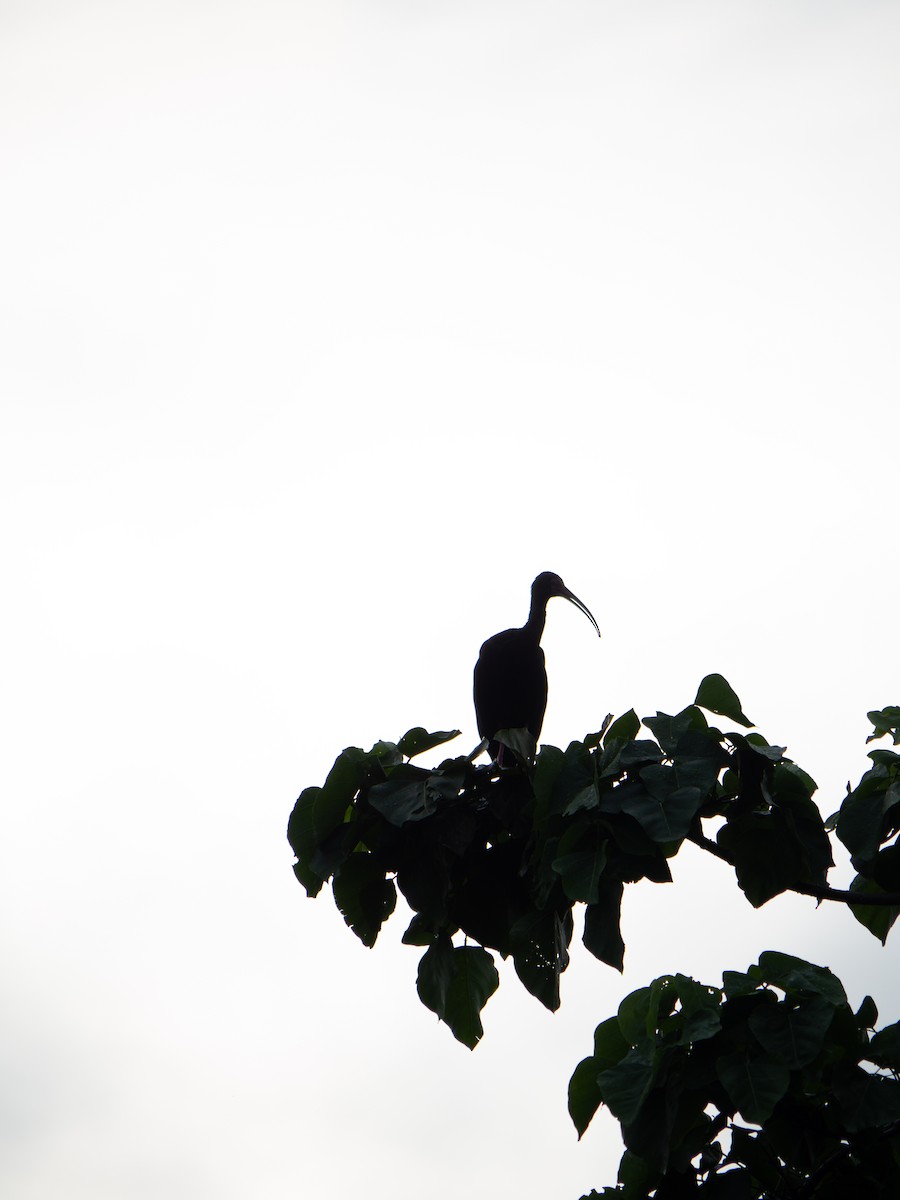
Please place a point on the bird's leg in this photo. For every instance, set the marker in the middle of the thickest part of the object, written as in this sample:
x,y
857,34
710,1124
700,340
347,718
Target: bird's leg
x,y
482,745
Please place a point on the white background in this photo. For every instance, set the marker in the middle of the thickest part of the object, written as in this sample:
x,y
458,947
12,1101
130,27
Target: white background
x,y
324,327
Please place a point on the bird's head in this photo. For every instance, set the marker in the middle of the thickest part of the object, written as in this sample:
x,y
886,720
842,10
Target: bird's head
x,y
549,584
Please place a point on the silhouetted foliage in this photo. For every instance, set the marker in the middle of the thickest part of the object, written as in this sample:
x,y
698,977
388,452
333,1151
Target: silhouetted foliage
x,y
502,857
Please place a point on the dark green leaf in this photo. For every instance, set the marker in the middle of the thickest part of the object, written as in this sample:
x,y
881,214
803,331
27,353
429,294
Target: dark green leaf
x,y
639,1012
386,754
550,763
584,1094
758,744
638,754
884,868
625,1086
867,1013
884,1048
716,694
539,943
575,787
754,1085
418,740
456,982
671,731
737,983
868,813
365,898
317,814
699,1015
886,721
792,1032
610,1046
662,809
580,874
867,1101
602,934
412,793
520,741
754,1151
766,862
795,976
637,1177
877,918
419,932
623,729
700,773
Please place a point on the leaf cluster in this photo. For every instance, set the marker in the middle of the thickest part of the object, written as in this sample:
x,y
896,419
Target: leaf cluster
x,y
768,1087
500,858
868,823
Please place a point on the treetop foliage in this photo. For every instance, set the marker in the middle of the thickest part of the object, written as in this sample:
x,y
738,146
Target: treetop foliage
x,y
495,861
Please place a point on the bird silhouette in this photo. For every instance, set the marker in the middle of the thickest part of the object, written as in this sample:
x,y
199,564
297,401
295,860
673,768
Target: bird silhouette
x,y
510,684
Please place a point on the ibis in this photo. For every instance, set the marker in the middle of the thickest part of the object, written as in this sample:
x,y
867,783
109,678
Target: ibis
x,y
510,676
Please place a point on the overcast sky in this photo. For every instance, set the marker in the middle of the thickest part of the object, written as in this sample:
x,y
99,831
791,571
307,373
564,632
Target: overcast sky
x,y
324,327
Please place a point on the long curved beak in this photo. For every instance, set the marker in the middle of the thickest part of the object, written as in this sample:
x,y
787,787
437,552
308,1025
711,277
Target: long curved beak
x,y
583,607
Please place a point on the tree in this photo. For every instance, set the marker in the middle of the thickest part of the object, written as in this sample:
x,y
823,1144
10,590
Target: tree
x,y
768,1086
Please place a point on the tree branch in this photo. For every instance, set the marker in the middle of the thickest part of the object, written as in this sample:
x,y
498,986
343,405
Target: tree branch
x,y
819,892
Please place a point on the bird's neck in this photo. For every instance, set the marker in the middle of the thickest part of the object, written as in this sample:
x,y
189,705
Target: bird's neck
x,y
534,626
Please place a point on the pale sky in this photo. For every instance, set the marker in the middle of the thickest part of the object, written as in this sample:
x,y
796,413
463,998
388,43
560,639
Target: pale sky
x,y
324,327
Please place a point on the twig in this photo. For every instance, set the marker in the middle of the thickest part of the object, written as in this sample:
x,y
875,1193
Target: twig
x,y
819,891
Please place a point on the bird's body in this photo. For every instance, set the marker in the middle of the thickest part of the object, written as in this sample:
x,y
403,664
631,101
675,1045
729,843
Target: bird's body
x,y
510,676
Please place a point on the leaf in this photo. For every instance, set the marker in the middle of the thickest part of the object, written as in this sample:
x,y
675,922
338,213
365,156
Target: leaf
x,y
539,943
765,861
636,1176
316,815
867,1013
520,741
638,1013
886,721
754,1151
580,873
320,810
602,934
877,918
412,793
575,787
792,1032
738,983
585,1096
550,762
867,1101
699,1016
796,976
364,896
610,1046
716,695
670,731
801,821
623,729
456,982
418,740
754,1085
662,809
884,1048
626,1085
867,814
637,754
419,932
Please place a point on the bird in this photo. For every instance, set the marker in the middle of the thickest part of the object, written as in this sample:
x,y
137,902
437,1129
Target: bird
x,y
510,685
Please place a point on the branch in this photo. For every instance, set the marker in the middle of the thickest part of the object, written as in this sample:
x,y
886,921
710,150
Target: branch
x,y
819,892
